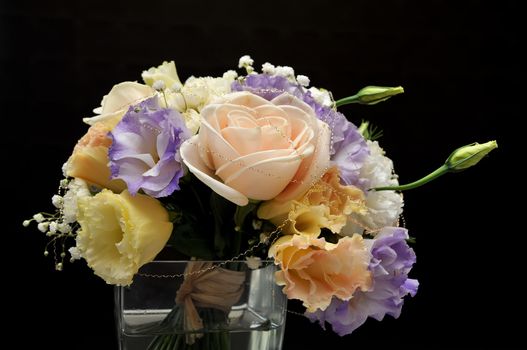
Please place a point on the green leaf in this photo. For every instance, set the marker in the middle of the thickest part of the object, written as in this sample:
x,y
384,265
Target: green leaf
x,y
222,211
191,241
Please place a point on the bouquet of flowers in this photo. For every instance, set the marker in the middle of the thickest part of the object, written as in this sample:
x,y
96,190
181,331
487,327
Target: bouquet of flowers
x,y
251,166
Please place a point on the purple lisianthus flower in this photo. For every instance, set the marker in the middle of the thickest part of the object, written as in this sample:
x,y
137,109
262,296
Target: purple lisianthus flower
x,y
350,155
145,149
392,260
348,147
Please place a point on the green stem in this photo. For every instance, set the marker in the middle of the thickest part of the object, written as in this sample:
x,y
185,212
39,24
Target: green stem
x,y
435,174
347,100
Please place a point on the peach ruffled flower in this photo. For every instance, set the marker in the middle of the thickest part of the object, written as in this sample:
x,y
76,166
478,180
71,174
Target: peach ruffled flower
x,y
89,160
314,271
326,205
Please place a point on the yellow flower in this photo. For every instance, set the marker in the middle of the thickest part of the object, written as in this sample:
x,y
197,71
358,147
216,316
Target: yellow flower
x,y
89,160
315,271
120,233
327,204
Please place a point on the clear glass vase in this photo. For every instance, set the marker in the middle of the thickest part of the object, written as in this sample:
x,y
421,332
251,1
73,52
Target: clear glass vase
x,y
173,305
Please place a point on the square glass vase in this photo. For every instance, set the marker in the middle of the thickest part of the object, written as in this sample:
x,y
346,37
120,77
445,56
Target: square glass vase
x,y
173,305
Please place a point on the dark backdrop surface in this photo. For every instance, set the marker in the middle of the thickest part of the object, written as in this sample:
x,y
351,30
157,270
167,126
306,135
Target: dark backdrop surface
x,y
459,65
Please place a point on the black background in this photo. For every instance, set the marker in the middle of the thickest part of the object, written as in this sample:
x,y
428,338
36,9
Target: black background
x,y
457,61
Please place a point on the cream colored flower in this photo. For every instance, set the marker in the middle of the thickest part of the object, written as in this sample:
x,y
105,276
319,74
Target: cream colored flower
x,y
116,103
192,120
166,73
194,96
315,271
248,147
326,204
196,93
119,233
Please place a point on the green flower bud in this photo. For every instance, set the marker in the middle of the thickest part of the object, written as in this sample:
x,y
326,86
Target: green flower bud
x,y
371,95
461,159
469,155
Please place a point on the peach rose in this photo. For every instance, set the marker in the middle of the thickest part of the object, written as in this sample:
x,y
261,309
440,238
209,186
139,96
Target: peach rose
x,y
89,160
315,271
248,147
327,204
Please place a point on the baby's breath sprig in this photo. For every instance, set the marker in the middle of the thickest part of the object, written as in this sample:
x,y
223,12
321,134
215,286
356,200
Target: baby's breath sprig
x,y
55,226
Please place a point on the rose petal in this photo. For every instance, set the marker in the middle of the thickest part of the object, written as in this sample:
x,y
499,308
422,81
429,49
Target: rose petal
x,y
198,167
213,149
313,166
246,99
286,99
276,172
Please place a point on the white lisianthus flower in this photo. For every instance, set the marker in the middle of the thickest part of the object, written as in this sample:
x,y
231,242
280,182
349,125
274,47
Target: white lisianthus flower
x,y
120,233
383,207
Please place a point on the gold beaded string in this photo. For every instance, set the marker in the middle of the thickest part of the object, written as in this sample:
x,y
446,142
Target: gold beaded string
x,y
268,241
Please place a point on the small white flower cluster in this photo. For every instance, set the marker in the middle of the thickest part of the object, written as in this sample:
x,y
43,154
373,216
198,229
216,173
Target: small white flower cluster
x,y
267,68
321,96
246,62
60,225
159,85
